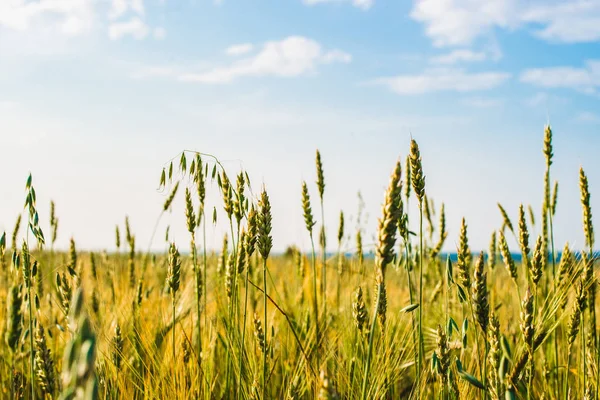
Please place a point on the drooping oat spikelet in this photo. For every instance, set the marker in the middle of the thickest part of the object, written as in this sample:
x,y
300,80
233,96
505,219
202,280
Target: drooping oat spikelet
x,y
259,334
494,355
174,270
169,200
14,317
524,237
507,257
44,364
479,295
492,252
588,228
359,310
189,212
117,348
326,389
320,176
264,239
506,220
416,170
537,264
463,257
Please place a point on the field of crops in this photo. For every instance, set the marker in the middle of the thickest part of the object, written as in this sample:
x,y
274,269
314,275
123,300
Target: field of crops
x,y
244,323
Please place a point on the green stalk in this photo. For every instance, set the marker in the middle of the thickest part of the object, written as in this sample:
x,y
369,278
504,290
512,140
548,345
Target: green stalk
x,y
420,295
231,312
243,332
264,374
555,334
31,352
323,263
315,302
410,295
197,276
370,351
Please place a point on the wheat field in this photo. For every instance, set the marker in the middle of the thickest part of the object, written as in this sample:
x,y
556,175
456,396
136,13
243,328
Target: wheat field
x,y
403,321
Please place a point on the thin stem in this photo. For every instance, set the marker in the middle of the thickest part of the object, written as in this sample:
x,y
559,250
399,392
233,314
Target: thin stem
x,y
31,352
567,374
315,302
410,295
370,351
243,331
323,262
420,295
264,375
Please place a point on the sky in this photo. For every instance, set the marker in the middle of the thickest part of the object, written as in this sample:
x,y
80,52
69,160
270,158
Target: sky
x,y
96,96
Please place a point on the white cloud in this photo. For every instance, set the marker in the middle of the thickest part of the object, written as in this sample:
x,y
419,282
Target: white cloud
x,y
292,56
239,49
585,79
460,22
456,56
134,27
70,17
336,55
588,117
160,33
544,99
567,21
362,4
121,7
483,102
436,80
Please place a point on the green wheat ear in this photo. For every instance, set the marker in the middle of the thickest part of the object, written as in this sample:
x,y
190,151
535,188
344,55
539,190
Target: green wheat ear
x,y
416,169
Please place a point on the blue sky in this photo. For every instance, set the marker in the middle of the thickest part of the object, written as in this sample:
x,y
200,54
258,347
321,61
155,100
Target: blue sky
x,y
96,95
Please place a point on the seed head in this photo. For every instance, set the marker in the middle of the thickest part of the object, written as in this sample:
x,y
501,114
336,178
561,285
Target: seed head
x,y
320,176
264,241
416,170
481,306
174,270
